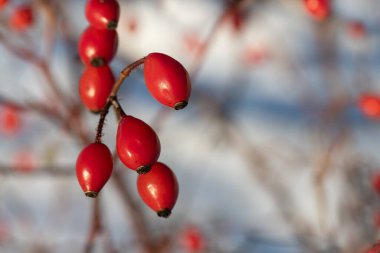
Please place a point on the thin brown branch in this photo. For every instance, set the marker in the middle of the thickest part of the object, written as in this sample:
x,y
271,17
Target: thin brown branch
x,y
95,227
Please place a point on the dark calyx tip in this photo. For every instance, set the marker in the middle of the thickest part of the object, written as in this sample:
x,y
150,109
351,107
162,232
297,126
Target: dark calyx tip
x,y
97,62
180,105
91,194
95,112
143,169
112,25
165,213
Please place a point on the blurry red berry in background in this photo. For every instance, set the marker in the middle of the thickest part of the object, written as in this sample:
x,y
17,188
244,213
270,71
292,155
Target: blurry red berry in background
x,y
10,120
131,24
24,161
376,182
356,29
254,55
192,42
318,9
376,219
3,4
374,249
369,104
4,231
21,18
192,239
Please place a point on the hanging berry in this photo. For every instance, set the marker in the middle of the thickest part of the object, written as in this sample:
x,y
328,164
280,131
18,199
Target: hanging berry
x,y
21,18
97,47
94,168
159,189
167,80
103,14
318,9
95,86
137,144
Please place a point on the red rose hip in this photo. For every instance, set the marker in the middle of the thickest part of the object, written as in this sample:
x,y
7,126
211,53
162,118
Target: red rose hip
x,y
103,14
97,47
167,80
95,85
94,168
318,9
21,18
137,144
159,189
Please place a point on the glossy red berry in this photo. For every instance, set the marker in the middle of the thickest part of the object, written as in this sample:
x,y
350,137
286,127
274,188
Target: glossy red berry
x,y
95,86
21,18
97,47
369,104
137,144
103,14
318,9
159,189
3,4
94,168
167,80
193,240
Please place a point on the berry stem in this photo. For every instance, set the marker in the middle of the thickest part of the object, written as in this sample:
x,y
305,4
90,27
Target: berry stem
x,y
112,99
119,110
124,74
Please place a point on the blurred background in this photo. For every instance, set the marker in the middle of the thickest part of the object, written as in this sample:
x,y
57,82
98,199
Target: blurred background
x,y
277,150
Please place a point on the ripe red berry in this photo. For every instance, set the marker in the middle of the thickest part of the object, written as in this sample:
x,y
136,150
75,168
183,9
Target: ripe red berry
x,y
94,168
167,80
192,240
103,14
369,104
21,18
97,47
159,189
95,86
137,144
318,9
3,4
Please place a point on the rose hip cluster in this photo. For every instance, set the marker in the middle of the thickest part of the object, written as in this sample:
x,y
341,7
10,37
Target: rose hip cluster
x,y
97,46
137,145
